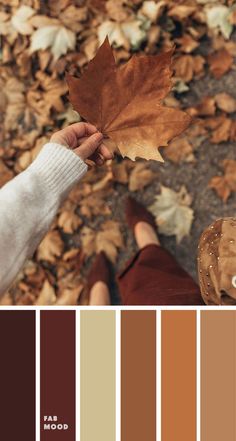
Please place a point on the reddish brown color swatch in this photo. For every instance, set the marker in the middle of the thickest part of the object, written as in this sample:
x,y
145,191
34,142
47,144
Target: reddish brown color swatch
x,y
58,375
138,375
218,375
178,376
17,373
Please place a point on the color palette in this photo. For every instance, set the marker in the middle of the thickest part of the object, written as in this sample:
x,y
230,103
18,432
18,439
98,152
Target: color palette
x,y
178,375
98,376
118,375
138,375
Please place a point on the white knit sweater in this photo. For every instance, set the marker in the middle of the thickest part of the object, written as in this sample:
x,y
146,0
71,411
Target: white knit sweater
x,y
29,203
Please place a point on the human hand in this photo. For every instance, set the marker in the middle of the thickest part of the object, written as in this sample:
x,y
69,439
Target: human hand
x,y
85,141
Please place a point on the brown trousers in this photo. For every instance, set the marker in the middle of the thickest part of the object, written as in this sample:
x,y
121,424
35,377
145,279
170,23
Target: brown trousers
x,y
153,277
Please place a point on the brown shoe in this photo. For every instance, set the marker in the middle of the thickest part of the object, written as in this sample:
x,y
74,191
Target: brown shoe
x,y
136,212
100,271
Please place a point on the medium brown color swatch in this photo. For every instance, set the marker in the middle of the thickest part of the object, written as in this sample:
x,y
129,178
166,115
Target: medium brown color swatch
x,y
138,375
178,376
98,376
17,373
218,375
58,375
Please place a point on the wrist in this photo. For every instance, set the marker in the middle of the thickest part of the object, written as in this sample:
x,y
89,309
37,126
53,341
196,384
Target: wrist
x,y
59,168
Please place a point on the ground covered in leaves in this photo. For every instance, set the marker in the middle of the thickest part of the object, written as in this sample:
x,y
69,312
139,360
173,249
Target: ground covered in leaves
x,y
40,41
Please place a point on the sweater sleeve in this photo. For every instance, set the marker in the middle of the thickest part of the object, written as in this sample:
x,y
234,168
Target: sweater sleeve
x,y
29,203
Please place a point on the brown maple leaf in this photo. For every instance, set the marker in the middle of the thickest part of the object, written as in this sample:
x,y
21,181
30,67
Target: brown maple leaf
x,y
125,103
224,185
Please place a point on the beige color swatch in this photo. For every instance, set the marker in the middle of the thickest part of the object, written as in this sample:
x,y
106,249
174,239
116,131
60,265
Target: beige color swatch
x,y
218,375
179,376
98,376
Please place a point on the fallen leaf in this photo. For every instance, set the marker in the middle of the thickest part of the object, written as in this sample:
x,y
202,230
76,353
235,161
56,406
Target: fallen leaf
x,y
218,18
47,295
140,177
220,62
206,107
51,247
57,37
5,174
135,120
225,102
187,43
152,9
173,215
180,150
69,221
120,172
180,12
69,296
222,132
20,20
226,184
108,239
127,34
188,66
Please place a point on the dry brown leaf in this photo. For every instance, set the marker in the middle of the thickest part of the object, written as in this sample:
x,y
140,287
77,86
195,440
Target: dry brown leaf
x,y
187,43
206,107
140,177
94,204
5,174
47,295
180,150
225,102
120,172
108,239
187,66
180,12
51,247
125,103
69,221
222,132
220,62
226,184
69,296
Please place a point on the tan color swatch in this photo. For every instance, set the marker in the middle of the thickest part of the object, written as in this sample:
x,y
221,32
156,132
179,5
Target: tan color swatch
x,y
218,375
138,375
98,376
179,376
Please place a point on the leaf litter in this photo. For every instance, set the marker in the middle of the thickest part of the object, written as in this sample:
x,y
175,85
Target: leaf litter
x,y
39,43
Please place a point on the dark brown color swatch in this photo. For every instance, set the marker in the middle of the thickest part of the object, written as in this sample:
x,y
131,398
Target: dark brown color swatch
x,y
178,376
58,375
138,375
17,373
218,375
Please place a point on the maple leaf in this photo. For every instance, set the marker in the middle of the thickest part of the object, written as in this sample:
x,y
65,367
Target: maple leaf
x,y
57,37
218,18
224,185
51,247
140,177
173,215
109,239
220,62
125,103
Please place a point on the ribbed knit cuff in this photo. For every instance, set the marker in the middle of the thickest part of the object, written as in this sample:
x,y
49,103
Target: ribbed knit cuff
x,y
59,168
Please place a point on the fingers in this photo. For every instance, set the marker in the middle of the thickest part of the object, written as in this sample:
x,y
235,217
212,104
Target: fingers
x,y
103,150
88,147
71,135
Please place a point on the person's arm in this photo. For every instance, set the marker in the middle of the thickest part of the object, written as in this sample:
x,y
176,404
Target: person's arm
x,y
30,201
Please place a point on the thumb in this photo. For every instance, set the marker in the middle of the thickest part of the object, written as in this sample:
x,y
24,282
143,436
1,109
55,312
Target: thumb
x,y
88,147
